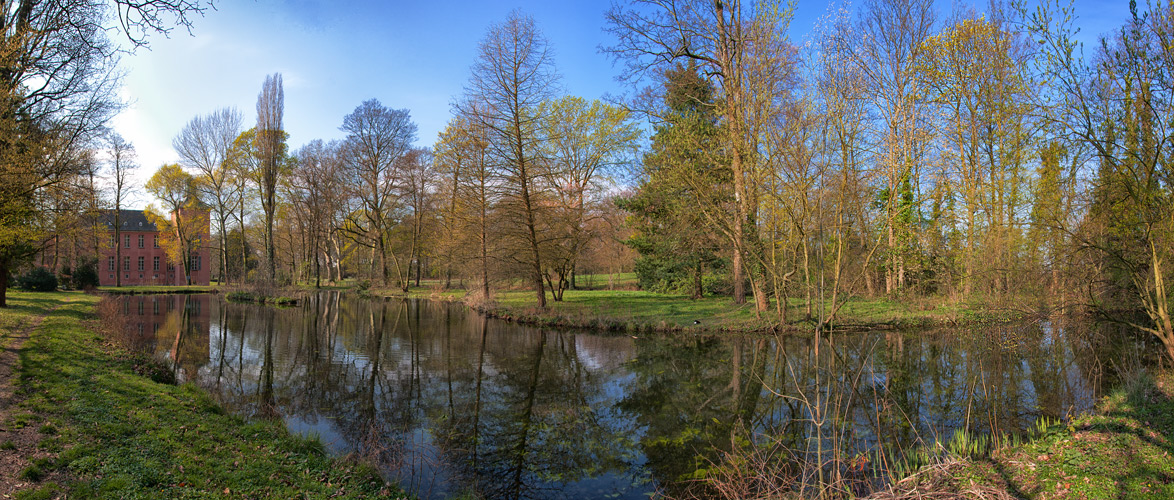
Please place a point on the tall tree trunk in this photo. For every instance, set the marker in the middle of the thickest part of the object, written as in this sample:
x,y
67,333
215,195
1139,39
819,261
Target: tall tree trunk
x,y
117,247
531,228
270,250
484,255
726,55
891,258
5,264
698,289
223,249
381,244
317,262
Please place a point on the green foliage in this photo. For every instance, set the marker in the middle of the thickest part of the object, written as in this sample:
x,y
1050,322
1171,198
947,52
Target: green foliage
x,y
32,473
240,296
39,279
243,296
1122,451
682,178
665,274
85,277
46,491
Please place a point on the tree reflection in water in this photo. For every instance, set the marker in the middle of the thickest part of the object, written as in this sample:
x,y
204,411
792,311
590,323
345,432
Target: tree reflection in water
x,y
448,401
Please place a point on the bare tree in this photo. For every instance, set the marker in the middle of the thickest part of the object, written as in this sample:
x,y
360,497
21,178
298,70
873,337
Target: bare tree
x,y
417,166
242,168
57,89
205,144
737,45
377,137
896,31
271,151
316,187
120,160
181,220
463,160
513,75
587,142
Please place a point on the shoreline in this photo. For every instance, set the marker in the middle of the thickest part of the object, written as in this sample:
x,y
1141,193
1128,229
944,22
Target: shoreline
x,y
111,429
101,422
607,312
559,315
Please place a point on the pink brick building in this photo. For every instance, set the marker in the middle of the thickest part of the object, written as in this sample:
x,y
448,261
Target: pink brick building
x,y
144,262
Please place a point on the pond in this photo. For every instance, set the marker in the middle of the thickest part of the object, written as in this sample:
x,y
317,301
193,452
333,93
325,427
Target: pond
x,y
449,402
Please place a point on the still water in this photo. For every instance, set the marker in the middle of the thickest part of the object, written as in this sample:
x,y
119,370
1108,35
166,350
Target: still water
x,y
449,402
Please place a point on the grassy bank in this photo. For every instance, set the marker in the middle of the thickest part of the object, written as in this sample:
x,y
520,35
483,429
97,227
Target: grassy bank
x,y
108,432
635,310
1124,450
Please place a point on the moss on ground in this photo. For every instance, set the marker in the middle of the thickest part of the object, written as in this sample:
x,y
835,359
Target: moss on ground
x,y
116,434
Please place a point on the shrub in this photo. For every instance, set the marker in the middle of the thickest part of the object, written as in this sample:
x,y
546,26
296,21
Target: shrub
x,y
85,277
38,280
240,296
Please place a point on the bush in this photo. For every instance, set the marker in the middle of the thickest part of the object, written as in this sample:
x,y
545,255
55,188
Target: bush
x,y
85,277
38,280
240,296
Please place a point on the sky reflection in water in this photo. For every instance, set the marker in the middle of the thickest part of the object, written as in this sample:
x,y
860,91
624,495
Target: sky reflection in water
x,y
447,401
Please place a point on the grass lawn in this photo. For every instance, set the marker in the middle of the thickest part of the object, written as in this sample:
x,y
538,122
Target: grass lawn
x,y
111,433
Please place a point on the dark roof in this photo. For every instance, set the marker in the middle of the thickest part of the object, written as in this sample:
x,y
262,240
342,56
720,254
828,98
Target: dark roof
x,y
131,220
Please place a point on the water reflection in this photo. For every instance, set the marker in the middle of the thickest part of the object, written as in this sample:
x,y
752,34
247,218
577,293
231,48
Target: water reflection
x,y
174,327
448,402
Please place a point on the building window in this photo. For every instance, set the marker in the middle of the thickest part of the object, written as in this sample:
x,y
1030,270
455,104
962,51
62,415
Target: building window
x,y
110,264
112,242
155,263
126,241
156,239
141,239
126,263
142,262
195,262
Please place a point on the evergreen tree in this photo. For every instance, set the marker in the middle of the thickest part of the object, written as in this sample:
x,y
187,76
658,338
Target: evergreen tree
x,y
675,243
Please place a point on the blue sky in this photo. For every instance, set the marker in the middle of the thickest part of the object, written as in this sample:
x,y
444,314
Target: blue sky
x,y
333,55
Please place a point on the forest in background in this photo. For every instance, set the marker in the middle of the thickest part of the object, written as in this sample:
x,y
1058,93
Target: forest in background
x,y
983,157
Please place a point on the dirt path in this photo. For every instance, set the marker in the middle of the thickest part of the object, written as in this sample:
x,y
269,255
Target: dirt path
x,y
19,435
